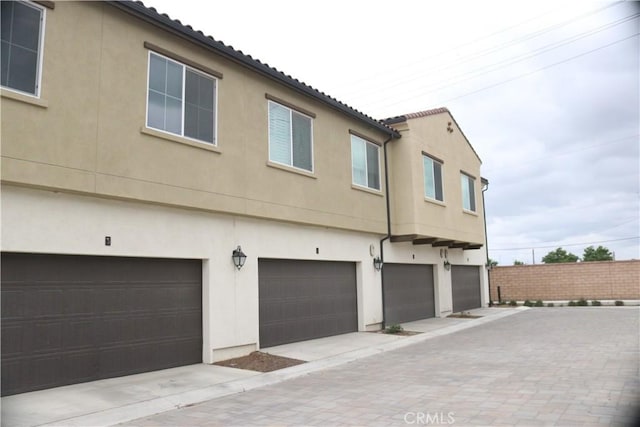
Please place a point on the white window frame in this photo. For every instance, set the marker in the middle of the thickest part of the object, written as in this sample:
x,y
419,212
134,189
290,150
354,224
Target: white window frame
x,y
366,165
291,111
471,182
184,78
424,172
43,20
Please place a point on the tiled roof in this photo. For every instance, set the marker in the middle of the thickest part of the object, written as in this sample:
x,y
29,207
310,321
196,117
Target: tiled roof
x,y
151,15
405,117
425,113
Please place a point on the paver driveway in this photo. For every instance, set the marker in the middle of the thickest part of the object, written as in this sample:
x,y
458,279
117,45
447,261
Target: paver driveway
x,y
544,366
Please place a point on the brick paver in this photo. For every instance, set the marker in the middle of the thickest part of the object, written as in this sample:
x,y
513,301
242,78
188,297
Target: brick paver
x,y
545,366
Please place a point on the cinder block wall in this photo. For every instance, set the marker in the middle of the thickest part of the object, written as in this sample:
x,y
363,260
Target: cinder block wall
x,y
606,280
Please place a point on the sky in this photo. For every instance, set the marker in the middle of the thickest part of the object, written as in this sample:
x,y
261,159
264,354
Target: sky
x,y
548,94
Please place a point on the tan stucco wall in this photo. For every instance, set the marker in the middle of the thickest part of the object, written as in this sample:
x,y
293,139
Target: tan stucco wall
x,y
412,213
88,138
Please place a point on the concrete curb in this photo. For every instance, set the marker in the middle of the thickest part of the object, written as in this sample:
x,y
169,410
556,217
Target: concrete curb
x,y
151,407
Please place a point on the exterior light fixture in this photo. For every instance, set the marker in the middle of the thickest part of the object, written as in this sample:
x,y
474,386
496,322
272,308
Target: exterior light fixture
x,y
447,265
238,257
377,263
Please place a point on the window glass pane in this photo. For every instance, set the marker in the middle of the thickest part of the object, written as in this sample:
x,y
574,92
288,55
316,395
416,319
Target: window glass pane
x,y
6,13
25,31
207,92
429,184
205,125
4,62
22,72
174,79
472,195
358,161
191,120
198,114
465,192
279,134
155,117
173,115
301,128
437,178
373,170
20,39
157,73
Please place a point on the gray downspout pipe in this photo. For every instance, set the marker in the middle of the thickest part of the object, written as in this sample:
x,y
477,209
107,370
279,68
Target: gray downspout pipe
x,y
388,236
486,241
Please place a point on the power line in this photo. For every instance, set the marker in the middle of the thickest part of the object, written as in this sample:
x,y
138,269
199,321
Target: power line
x,y
564,244
489,68
487,51
534,71
564,153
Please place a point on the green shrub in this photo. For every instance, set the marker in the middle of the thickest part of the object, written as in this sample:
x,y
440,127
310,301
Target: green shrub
x,y
528,303
394,329
514,303
618,303
582,302
551,304
572,304
539,303
595,302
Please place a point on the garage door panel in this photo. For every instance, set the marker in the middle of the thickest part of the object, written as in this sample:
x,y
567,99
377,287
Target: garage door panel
x,y
465,286
71,319
408,292
301,300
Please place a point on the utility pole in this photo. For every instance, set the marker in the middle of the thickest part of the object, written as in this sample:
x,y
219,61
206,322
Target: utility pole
x,y
533,255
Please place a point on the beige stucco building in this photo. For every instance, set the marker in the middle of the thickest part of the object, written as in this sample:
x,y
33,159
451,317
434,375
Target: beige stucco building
x,y
137,154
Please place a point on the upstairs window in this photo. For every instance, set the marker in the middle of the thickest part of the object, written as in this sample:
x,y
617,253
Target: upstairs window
x,y
365,163
432,178
21,29
290,137
468,192
181,100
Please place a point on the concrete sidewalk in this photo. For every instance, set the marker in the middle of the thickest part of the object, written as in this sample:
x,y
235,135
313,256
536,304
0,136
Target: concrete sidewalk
x,y
117,400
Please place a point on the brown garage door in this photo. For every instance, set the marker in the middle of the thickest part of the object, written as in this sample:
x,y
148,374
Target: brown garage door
x,y
408,292
465,286
302,300
71,319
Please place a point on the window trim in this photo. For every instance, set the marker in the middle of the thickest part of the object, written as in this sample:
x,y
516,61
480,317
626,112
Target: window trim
x,y
473,179
441,162
181,59
355,184
184,77
43,25
291,111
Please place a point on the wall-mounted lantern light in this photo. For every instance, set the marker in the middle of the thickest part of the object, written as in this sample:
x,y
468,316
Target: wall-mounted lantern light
x,y
377,263
238,257
447,265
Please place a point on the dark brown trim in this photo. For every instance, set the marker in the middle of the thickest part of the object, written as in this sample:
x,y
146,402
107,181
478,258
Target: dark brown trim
x,y
460,245
447,243
363,136
182,59
467,174
472,247
425,241
290,105
424,153
404,238
47,4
